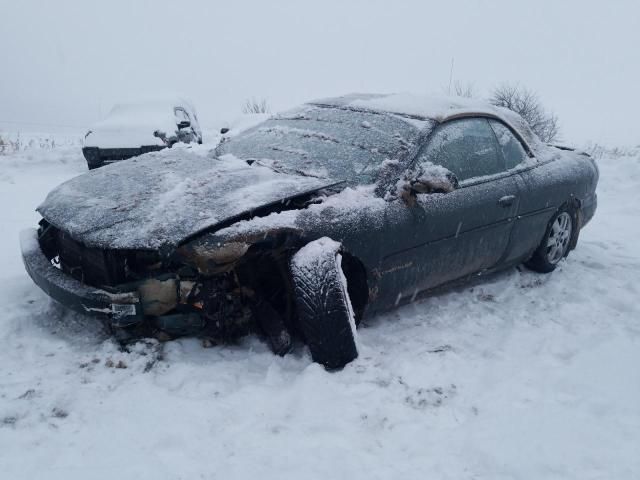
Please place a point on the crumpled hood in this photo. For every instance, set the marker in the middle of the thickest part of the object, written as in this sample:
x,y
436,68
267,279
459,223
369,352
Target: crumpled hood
x,y
160,199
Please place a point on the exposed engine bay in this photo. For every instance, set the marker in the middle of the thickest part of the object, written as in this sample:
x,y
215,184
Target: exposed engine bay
x,y
217,292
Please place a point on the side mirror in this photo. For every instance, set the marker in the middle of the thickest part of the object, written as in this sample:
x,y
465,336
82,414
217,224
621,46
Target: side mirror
x,y
432,179
184,124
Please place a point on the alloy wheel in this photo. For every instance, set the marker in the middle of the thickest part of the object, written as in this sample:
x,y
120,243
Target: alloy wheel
x,y
559,236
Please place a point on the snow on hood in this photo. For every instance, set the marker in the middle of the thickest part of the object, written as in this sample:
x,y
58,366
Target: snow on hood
x,y
160,199
132,125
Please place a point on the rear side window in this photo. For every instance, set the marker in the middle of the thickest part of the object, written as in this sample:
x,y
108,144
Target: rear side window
x,y
467,147
512,150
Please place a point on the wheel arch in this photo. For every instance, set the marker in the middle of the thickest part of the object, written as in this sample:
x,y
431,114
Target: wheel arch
x,y
574,207
357,284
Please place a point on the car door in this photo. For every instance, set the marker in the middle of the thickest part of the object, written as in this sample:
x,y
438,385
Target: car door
x,y
544,186
444,237
534,210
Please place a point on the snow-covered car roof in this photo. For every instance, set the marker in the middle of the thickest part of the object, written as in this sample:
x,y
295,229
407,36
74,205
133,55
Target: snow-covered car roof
x,y
142,113
432,107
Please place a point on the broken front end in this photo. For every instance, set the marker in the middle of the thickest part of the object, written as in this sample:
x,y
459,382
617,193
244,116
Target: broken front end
x,y
216,291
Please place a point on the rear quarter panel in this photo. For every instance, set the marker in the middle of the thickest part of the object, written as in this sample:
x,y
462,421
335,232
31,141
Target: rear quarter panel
x,y
559,177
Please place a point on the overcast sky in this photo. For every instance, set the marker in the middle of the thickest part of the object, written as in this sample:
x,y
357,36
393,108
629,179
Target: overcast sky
x,y
67,62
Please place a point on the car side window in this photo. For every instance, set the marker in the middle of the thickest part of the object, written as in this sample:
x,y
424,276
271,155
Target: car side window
x,y
467,147
512,150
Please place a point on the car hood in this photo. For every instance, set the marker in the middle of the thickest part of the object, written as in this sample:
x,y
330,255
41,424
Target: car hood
x,y
161,199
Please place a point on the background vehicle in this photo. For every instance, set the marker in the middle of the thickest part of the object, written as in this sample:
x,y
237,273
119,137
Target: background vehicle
x,y
311,220
136,128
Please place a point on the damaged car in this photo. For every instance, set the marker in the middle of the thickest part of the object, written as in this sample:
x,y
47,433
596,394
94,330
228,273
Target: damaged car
x,y
311,221
132,129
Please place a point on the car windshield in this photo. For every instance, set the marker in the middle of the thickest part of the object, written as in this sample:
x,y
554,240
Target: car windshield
x,y
326,142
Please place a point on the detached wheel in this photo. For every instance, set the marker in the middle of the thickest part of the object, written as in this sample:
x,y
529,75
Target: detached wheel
x,y
561,234
325,315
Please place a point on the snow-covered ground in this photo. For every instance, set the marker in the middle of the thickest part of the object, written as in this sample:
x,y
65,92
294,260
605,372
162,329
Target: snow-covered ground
x,y
520,376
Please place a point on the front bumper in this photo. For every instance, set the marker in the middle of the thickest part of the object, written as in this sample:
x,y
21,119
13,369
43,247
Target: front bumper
x,y
97,157
121,308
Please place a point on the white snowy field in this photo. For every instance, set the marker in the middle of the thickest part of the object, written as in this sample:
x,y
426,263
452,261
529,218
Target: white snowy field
x,y
519,376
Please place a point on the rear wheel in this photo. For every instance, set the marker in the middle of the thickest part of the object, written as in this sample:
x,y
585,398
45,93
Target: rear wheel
x,y
561,234
325,316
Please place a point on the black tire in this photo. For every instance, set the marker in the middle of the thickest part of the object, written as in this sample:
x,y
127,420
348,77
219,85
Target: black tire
x,y
542,261
325,316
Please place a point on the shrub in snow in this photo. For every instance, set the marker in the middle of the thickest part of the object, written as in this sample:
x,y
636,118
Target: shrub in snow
x,y
253,105
464,90
527,104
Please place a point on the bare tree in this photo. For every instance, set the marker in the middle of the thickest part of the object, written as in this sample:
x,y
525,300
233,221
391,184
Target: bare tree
x,y
526,103
253,105
466,90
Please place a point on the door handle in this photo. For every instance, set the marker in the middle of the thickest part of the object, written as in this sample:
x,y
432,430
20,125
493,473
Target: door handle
x,y
506,201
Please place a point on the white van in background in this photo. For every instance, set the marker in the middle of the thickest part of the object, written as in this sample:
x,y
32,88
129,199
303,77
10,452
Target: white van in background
x,y
135,128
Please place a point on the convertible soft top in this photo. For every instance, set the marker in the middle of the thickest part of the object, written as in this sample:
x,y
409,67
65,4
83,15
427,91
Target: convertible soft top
x,y
433,107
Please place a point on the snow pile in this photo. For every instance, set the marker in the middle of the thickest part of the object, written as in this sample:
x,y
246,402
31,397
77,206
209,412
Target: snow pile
x,y
517,376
